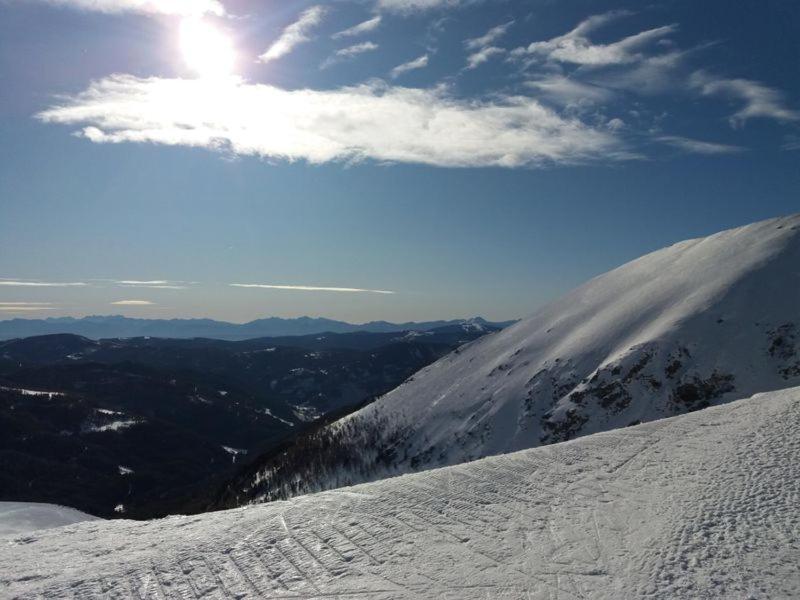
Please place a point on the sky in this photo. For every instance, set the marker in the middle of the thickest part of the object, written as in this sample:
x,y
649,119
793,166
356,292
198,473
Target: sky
x,y
377,159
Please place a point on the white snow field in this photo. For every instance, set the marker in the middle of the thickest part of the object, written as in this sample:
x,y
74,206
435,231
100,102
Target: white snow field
x,y
703,505
22,517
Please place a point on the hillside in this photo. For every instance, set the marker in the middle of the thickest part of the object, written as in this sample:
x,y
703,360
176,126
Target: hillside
x,y
702,322
698,506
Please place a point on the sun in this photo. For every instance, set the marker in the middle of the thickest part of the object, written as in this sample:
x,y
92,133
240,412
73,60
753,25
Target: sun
x,y
206,50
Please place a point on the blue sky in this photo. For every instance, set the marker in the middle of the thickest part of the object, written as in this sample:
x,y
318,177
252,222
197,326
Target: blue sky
x,y
470,157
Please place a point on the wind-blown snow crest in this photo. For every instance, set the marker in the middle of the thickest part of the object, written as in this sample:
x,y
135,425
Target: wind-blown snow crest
x,y
698,506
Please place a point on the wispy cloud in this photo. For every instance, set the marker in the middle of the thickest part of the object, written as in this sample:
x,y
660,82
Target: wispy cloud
x,y
418,63
25,306
133,303
33,284
156,284
566,91
414,6
295,34
698,146
758,100
154,7
369,121
360,29
575,47
309,288
482,56
348,53
489,38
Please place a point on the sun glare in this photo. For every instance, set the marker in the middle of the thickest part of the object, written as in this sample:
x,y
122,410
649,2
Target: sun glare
x,y
207,51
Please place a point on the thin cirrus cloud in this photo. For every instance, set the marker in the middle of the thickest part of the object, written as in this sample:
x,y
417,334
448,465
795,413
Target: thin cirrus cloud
x,y
42,284
758,100
350,52
19,307
413,65
415,6
155,284
360,29
483,55
372,121
295,34
575,47
309,288
698,146
150,7
489,38
133,303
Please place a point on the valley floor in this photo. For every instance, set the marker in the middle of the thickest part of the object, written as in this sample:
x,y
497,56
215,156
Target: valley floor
x,y
698,506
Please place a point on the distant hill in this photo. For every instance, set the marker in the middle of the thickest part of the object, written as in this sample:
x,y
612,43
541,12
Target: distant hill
x,y
116,326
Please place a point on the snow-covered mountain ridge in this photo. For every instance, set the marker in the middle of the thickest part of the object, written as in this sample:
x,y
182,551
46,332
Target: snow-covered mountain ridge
x,y
702,322
698,506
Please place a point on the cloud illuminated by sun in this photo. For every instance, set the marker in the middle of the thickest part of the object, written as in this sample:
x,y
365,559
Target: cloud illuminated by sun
x,y
207,51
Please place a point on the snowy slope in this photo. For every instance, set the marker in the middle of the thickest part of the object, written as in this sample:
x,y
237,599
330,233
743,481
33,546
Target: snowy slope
x,y
698,506
702,322
23,517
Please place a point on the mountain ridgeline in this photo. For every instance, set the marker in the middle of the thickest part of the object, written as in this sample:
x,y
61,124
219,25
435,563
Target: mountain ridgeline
x,y
703,322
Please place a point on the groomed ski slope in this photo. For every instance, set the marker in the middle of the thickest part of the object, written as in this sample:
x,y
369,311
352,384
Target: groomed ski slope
x,y
703,505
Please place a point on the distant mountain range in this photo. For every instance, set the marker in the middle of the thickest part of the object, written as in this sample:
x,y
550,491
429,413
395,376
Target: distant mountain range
x,y
115,326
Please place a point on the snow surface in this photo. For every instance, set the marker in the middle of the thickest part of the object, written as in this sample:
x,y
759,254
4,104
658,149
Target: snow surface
x,y
24,517
702,505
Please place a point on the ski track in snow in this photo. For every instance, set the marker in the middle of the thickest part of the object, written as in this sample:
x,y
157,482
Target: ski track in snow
x,y
698,506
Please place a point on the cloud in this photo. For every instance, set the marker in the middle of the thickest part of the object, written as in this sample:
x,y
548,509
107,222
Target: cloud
x,y
575,47
133,303
482,56
25,306
791,142
369,121
309,288
415,6
566,91
758,100
487,39
364,27
151,7
155,285
27,283
698,146
412,65
348,53
295,34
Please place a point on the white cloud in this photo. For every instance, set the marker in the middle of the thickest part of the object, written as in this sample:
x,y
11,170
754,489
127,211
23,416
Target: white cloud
x,y
412,65
566,91
25,306
133,303
364,27
27,283
758,100
413,6
165,7
348,53
487,39
295,34
155,285
370,121
698,146
482,56
575,47
308,288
